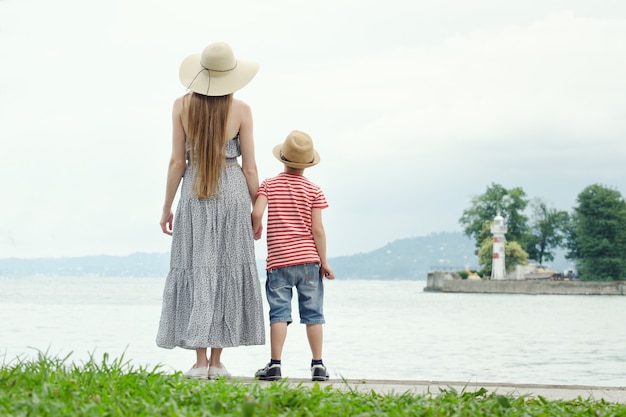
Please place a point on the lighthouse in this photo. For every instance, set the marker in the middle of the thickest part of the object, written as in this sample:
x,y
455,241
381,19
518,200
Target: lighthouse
x,y
498,230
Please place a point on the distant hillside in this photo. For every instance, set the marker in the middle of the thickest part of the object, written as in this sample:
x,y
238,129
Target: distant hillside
x,y
135,265
409,258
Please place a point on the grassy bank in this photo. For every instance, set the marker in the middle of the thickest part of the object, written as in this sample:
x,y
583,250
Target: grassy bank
x,y
58,387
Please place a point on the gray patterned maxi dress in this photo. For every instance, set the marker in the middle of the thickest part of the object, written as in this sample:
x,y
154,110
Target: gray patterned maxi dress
x,y
212,294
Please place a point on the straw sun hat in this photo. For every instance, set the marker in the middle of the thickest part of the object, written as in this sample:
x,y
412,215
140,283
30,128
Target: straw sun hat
x,y
216,72
297,151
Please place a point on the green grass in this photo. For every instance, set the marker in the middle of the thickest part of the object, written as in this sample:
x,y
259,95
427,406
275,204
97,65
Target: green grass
x,y
56,387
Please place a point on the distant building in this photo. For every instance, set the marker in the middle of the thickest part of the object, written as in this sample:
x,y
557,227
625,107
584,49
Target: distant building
x,y
498,230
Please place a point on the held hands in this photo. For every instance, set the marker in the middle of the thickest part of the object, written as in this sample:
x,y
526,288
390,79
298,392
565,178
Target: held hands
x,y
327,271
258,232
167,222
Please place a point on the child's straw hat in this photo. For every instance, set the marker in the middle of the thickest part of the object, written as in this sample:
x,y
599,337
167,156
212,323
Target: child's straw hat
x,y
297,151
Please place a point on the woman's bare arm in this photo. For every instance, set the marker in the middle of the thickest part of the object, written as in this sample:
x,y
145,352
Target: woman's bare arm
x,y
176,167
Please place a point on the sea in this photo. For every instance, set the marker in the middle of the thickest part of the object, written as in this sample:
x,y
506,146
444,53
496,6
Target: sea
x,y
386,329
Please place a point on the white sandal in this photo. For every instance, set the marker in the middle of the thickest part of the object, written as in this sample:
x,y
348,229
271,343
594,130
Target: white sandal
x,y
199,372
216,372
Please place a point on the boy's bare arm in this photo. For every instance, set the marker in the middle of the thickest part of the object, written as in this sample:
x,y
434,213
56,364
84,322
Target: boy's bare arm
x,y
319,236
257,216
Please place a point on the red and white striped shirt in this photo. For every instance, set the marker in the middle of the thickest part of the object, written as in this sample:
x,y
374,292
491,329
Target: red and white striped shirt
x,y
290,200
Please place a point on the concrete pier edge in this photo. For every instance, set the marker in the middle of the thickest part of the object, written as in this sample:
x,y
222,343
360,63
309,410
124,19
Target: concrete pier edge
x,y
450,282
547,391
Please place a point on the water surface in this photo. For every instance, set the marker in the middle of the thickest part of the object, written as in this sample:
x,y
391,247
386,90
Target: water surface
x,y
374,330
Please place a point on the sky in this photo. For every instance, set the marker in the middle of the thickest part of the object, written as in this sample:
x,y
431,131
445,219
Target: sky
x,y
415,108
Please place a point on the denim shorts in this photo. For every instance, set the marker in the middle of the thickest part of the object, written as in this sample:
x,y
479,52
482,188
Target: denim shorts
x,y
308,282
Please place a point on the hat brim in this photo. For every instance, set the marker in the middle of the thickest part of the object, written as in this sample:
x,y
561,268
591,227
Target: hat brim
x,y
276,152
214,83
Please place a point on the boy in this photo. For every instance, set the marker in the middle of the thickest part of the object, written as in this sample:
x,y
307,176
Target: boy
x,y
296,251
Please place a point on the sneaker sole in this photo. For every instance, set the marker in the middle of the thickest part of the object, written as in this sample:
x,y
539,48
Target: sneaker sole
x,y
269,378
319,378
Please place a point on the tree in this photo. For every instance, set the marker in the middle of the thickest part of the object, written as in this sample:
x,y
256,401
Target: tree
x,y
597,234
547,231
511,204
513,255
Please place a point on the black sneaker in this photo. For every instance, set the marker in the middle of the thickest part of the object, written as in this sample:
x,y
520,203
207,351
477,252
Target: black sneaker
x,y
319,373
271,372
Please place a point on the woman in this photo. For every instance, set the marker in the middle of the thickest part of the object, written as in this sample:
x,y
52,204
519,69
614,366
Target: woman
x,y
212,294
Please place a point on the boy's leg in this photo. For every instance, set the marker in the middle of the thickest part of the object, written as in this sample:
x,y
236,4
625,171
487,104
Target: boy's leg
x,y
315,334
311,305
278,335
278,289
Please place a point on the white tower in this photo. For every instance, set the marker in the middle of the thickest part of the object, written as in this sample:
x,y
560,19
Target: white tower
x,y
498,229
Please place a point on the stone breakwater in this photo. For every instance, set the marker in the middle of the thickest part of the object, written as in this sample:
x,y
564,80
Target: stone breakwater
x,y
440,281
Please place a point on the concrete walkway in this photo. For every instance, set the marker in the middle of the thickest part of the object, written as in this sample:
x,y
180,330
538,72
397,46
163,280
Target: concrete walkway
x,y
550,392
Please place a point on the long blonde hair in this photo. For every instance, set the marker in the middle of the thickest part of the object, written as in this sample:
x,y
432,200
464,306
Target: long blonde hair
x,y
207,117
